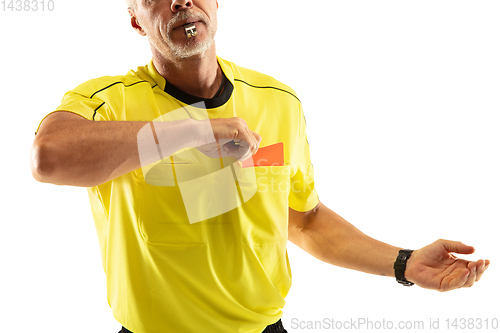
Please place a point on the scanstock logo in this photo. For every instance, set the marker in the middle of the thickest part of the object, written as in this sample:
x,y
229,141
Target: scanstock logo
x,y
210,181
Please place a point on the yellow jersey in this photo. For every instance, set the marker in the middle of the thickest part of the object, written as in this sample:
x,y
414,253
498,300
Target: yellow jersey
x,y
225,272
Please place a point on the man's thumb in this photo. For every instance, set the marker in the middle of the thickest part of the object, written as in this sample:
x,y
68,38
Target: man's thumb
x,y
456,247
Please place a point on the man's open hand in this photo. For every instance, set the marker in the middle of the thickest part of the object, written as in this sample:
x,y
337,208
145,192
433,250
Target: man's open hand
x,y
435,267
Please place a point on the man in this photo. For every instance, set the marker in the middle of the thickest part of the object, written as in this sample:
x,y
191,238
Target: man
x,y
172,268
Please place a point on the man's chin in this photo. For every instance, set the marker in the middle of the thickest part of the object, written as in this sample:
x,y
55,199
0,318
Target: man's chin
x,y
190,49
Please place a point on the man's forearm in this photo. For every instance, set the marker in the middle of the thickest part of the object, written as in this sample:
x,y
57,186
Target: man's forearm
x,y
328,237
70,150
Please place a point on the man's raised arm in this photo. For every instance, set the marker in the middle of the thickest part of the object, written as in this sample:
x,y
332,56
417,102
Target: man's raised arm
x,y
71,150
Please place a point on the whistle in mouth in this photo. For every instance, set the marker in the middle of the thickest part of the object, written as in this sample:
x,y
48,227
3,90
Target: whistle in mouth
x,y
190,30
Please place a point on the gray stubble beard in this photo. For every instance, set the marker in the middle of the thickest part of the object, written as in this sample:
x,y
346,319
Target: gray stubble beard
x,y
192,47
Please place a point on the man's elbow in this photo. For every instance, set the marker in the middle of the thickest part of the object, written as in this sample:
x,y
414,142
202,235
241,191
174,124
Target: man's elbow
x,y
298,221
50,165
42,164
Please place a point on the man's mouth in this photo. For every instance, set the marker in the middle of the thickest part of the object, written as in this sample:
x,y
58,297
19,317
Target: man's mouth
x,y
190,21
190,30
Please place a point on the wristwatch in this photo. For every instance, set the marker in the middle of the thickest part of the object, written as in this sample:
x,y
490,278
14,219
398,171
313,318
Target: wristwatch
x,y
400,267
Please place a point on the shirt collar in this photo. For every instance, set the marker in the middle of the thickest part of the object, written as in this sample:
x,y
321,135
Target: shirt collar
x,y
186,98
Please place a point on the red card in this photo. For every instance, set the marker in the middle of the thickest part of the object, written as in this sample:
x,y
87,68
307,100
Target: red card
x,y
267,156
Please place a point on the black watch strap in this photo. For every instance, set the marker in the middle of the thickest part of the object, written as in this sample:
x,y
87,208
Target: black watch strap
x,y
400,267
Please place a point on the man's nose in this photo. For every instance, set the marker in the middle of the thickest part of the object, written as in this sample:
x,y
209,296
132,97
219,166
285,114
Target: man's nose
x,y
178,5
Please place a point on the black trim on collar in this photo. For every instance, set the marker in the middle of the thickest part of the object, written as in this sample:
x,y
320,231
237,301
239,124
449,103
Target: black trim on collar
x,y
210,103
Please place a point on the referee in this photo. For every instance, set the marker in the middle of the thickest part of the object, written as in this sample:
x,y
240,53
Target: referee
x,y
198,173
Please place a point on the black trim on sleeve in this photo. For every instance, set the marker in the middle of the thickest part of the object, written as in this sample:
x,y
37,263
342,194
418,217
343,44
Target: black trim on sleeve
x,y
95,111
130,85
111,85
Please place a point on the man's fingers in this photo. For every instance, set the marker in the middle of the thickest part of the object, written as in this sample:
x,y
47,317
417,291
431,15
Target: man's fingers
x,y
236,129
482,265
472,267
239,149
258,138
236,148
252,141
457,247
455,281
464,277
467,278
250,137
244,142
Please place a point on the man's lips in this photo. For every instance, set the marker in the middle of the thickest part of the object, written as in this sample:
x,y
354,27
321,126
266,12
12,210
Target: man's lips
x,y
188,21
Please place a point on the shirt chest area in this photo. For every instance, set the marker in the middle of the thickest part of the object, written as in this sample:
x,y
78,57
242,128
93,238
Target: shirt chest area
x,y
272,121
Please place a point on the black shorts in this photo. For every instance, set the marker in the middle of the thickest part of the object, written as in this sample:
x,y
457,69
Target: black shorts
x,y
273,328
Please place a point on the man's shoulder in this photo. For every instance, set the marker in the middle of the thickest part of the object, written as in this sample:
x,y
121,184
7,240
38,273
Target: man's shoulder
x,y
254,79
92,87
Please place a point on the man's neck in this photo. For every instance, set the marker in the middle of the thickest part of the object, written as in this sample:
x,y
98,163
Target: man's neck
x,y
197,76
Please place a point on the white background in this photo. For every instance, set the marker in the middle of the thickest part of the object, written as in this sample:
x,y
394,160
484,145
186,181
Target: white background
x,y
402,104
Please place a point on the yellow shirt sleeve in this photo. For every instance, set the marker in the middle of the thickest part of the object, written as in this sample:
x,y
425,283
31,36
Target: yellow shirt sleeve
x,y
77,102
303,196
82,105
